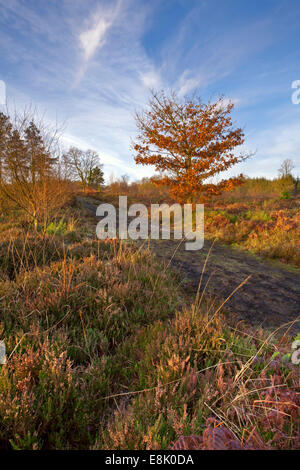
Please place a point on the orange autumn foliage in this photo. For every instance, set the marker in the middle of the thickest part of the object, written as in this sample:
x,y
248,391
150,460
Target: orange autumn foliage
x,y
188,142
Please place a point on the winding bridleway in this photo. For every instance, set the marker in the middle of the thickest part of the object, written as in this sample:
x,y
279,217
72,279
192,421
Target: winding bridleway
x,y
270,297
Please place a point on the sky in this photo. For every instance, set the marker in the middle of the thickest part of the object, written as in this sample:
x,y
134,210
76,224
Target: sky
x,y
90,64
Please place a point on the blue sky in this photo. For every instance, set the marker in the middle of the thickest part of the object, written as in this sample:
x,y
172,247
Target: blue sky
x,y
90,64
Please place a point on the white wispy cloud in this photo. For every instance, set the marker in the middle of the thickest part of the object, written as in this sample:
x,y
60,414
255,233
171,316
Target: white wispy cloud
x,y
94,35
117,82
213,56
187,83
94,38
151,78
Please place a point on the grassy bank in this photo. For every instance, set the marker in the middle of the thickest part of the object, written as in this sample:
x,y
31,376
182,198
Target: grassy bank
x,y
266,227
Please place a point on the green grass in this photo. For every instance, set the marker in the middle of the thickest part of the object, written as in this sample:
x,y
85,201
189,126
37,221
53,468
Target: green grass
x,y
59,228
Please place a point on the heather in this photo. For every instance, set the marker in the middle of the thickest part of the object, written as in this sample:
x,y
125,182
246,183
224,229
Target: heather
x,y
268,228
104,350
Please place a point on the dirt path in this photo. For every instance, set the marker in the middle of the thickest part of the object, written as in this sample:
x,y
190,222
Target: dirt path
x,y
271,297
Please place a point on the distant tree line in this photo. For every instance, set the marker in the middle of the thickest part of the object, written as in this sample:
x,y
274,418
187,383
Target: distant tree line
x,y
35,175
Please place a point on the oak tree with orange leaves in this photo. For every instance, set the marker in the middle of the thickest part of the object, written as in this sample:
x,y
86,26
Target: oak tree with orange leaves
x,y
188,142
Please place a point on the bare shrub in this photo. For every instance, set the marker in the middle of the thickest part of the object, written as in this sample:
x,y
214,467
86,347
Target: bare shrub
x,y
29,166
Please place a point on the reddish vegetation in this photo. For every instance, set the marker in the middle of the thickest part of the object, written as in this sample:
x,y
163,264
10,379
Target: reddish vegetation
x,y
269,228
281,406
190,141
216,436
